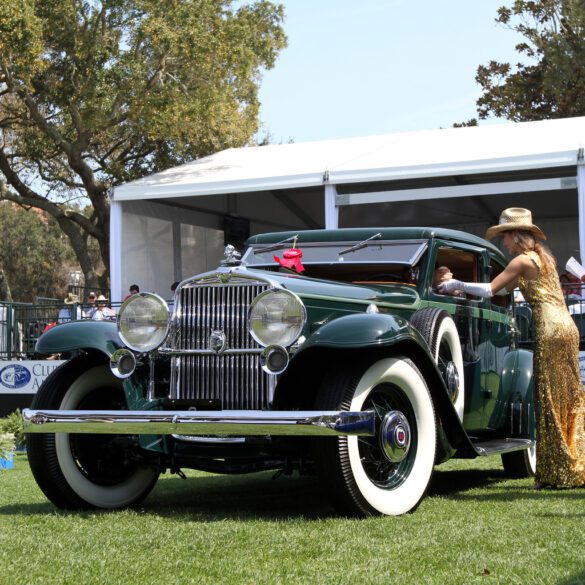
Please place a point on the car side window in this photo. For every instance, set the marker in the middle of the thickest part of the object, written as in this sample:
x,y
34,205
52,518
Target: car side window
x,y
463,264
498,300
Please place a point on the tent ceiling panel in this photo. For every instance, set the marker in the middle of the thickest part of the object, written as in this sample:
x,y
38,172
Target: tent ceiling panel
x,y
456,211
458,191
272,210
496,148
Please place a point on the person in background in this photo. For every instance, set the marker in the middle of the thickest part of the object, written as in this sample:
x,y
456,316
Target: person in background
x,y
133,290
102,312
558,390
91,297
68,313
441,274
571,285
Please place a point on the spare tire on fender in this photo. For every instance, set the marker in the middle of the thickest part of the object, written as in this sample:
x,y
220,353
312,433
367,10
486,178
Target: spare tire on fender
x,y
440,332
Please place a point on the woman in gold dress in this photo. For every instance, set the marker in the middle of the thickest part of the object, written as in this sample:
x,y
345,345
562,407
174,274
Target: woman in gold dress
x,y
559,394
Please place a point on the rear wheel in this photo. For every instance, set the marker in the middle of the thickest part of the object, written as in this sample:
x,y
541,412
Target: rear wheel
x,y
520,463
389,472
80,471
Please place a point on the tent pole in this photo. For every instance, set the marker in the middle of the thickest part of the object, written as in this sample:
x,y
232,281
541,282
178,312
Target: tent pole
x,y
581,201
115,251
331,210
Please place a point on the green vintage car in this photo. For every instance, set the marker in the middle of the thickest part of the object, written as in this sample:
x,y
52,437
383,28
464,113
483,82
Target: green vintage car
x,y
325,352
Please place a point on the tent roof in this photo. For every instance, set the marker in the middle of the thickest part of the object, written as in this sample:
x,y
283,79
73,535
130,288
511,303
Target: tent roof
x,y
490,149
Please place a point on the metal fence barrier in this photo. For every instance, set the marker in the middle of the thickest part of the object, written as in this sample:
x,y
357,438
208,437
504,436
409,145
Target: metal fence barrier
x,y
21,324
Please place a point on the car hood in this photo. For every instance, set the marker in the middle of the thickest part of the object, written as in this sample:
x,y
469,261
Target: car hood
x,y
395,293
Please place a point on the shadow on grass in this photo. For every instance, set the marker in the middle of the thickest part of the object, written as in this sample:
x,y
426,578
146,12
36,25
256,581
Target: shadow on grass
x,y
453,482
495,486
208,498
577,579
27,509
255,496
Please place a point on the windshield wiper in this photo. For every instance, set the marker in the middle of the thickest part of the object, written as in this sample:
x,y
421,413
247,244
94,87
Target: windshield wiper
x,y
276,246
360,245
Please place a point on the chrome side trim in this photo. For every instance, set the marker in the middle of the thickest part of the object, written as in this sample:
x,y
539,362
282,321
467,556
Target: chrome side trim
x,y
226,422
497,447
210,440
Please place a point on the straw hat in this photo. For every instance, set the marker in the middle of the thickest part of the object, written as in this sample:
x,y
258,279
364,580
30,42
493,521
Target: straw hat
x,y
515,218
70,299
103,299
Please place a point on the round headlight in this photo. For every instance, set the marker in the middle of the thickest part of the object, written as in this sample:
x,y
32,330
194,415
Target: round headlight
x,y
143,322
276,318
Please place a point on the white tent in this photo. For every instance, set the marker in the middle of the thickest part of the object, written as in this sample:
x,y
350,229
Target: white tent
x,y
170,225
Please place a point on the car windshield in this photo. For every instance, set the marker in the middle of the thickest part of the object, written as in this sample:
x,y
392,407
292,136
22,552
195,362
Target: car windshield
x,y
401,252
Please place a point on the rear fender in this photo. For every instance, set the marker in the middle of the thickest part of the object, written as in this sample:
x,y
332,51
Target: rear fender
x,y
515,409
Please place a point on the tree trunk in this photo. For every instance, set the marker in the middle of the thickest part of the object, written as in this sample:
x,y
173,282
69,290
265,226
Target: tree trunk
x,y
5,294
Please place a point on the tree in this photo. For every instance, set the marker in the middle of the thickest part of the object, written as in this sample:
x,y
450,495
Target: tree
x,y
552,82
94,94
35,258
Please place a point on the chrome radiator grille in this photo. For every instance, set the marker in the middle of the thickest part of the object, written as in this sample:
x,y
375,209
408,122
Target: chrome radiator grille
x,y
237,381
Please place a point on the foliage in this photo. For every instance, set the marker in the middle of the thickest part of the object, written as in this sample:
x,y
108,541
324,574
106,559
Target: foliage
x,y
12,424
551,83
472,122
94,94
7,444
36,256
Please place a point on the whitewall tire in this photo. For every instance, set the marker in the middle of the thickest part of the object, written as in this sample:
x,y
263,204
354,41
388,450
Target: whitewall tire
x,y
380,474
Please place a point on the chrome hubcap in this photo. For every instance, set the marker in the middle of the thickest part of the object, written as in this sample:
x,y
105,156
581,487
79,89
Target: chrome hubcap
x,y
452,380
395,436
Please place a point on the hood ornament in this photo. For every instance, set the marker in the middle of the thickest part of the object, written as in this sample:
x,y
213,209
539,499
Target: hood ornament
x,y
231,257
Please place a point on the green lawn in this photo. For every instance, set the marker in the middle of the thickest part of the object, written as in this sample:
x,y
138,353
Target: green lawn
x,y
474,527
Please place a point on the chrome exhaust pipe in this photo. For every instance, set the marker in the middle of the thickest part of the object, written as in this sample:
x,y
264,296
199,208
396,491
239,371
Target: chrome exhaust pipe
x,y
222,423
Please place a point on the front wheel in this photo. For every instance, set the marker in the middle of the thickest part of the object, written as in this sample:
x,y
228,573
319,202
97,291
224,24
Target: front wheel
x,y
81,471
389,472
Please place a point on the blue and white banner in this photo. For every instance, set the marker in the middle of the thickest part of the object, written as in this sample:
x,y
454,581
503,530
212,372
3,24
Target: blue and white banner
x,y
25,377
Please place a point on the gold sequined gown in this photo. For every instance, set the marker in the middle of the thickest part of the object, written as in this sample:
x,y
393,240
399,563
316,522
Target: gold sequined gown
x,y
559,395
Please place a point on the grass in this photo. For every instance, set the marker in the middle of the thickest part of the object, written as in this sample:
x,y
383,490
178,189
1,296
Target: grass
x,y
475,526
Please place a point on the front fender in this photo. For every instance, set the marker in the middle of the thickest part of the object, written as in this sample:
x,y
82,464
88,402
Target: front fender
x,y
364,330
369,332
101,336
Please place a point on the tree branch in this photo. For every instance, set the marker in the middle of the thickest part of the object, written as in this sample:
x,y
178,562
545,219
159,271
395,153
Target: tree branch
x,y
26,197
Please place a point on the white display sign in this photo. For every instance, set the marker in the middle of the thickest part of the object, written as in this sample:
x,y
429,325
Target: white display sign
x,y
25,377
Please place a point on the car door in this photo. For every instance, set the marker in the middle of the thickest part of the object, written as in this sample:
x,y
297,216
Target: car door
x,y
467,263
498,315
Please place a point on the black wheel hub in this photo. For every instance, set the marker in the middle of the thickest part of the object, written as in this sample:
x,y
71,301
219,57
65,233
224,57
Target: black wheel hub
x,y
388,457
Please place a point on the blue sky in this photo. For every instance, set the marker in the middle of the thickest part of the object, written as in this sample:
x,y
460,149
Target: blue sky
x,y
364,67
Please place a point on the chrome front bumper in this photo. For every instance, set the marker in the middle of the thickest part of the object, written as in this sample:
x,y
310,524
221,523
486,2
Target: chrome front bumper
x,y
210,423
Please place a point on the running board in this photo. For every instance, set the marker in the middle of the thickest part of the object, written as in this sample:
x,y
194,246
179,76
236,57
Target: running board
x,y
499,446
